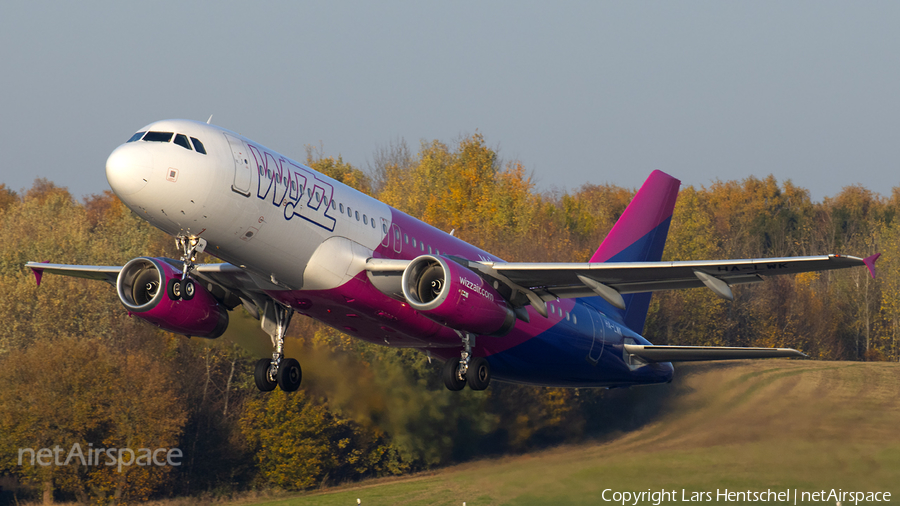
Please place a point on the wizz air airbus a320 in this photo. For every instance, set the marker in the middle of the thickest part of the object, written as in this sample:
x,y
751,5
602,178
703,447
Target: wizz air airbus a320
x,y
298,241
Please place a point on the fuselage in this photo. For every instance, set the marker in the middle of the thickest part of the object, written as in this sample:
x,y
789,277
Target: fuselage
x,y
305,238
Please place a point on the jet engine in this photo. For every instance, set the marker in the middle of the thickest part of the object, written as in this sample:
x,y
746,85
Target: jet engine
x,y
453,295
145,286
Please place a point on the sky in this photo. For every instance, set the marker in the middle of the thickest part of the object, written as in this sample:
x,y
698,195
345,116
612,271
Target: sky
x,y
580,92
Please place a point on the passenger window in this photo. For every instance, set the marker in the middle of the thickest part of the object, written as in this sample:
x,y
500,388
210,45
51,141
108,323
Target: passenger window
x,y
317,197
136,137
349,212
309,192
406,238
198,145
384,227
574,320
182,141
422,245
294,185
342,208
373,223
333,206
429,250
357,215
158,136
414,242
365,220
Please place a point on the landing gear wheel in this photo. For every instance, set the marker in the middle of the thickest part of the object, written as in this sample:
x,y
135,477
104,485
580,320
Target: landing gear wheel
x,y
289,375
173,289
479,374
188,289
264,381
450,374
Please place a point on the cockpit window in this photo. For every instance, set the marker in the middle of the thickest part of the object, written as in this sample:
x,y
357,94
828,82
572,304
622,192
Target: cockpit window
x,y
158,136
198,145
182,141
136,136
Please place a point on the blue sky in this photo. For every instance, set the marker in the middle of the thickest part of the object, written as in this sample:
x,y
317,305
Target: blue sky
x,y
580,92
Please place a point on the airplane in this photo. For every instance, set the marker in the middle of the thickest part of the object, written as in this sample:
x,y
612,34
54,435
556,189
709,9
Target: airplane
x,y
296,241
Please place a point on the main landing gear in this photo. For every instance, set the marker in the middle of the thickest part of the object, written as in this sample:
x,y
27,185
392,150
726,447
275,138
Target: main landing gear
x,y
184,288
468,370
284,372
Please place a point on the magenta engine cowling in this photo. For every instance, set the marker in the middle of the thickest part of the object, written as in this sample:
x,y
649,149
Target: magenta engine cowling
x,y
453,295
142,289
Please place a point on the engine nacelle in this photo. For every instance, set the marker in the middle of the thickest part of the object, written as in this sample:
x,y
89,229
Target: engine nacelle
x,y
142,286
453,295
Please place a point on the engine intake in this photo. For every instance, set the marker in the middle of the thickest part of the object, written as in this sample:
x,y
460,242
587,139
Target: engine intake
x,y
141,287
453,295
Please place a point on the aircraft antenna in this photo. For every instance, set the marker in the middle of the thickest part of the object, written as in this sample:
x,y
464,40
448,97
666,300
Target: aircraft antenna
x,y
210,119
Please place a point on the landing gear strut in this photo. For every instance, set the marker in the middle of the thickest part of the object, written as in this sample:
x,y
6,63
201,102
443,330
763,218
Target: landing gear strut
x,y
284,372
184,288
468,370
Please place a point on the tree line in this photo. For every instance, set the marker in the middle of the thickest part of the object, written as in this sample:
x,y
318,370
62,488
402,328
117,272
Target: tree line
x,y
75,368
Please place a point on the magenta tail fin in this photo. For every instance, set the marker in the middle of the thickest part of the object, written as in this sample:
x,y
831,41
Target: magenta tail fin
x,y
640,236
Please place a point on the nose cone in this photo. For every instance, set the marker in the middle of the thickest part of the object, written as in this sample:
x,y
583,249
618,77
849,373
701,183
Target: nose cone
x,y
128,169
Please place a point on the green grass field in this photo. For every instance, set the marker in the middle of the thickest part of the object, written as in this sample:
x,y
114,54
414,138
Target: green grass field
x,y
797,425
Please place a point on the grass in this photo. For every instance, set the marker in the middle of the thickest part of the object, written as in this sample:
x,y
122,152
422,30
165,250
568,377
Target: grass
x,y
779,425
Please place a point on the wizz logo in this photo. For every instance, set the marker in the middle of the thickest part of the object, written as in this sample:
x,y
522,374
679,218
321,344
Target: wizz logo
x,y
296,188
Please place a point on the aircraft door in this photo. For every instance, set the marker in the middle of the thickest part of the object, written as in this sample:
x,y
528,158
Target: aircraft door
x,y
386,241
599,335
242,174
398,244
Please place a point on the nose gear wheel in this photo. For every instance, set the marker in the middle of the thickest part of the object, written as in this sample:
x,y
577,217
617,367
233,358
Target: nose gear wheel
x,y
184,288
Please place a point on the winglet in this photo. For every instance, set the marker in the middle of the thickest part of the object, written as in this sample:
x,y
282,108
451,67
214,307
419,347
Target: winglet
x,y
870,263
39,273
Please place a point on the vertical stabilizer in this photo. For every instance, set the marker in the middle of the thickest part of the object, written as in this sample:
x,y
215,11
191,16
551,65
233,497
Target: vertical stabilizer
x,y
640,236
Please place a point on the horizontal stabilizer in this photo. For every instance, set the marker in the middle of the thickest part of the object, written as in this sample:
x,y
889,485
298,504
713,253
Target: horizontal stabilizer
x,y
650,353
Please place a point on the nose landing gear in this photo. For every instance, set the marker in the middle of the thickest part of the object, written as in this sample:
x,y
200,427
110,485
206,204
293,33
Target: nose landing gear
x,y
184,288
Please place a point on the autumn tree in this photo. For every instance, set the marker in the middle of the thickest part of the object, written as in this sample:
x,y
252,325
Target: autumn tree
x,y
75,391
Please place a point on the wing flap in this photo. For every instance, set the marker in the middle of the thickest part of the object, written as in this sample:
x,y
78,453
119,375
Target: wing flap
x,y
652,353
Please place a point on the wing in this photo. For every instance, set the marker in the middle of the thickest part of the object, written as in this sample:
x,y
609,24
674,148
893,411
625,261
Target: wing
x,y
106,273
574,280
537,283
228,283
